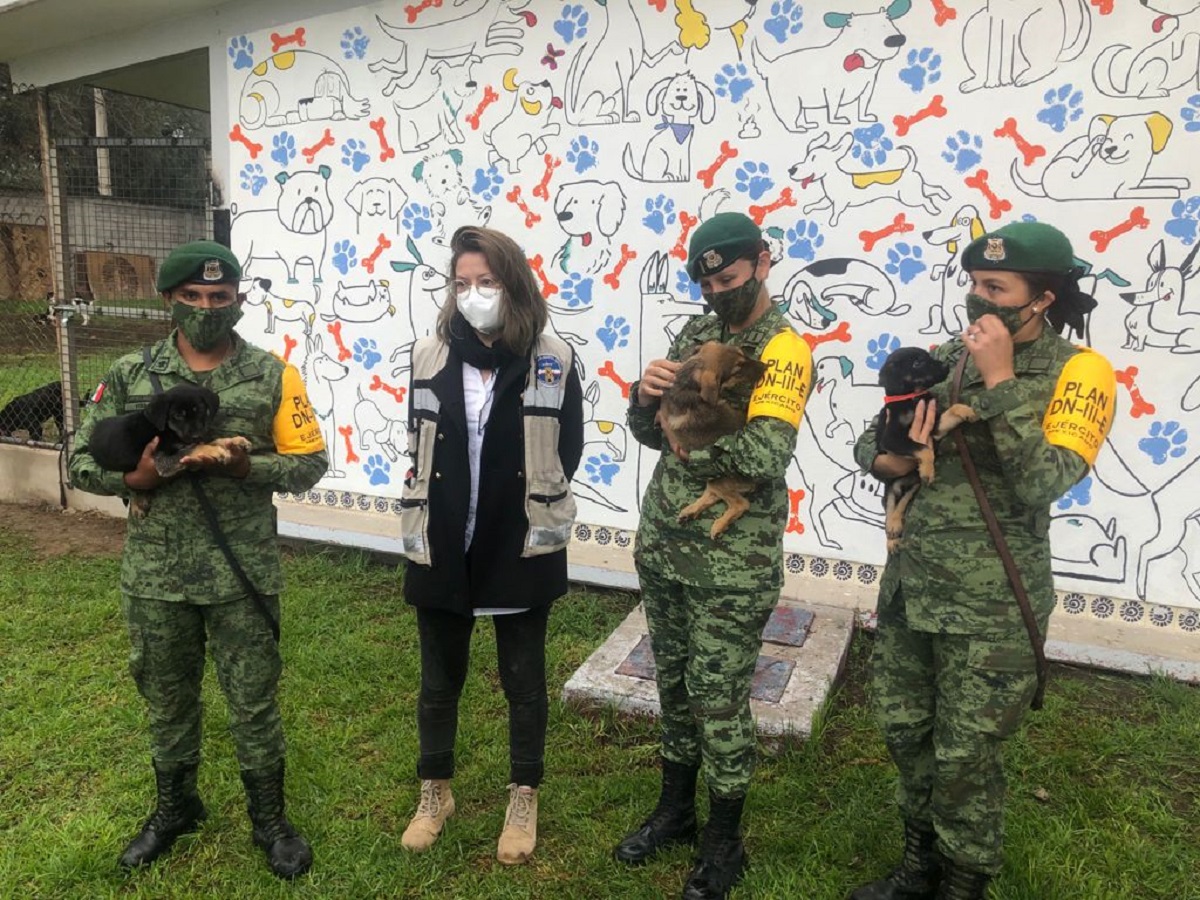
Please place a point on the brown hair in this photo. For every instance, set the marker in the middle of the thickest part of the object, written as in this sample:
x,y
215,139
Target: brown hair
x,y
524,313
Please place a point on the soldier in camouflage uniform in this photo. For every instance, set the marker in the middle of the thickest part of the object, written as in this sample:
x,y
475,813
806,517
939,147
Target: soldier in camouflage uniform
x,y
179,593
954,669
707,601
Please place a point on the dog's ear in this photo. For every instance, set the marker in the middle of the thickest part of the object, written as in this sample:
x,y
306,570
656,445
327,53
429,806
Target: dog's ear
x,y
1160,130
324,172
282,177
710,386
847,365
157,411
612,209
510,80
354,199
1157,257
419,171
706,101
654,96
396,198
438,66
1099,125
455,155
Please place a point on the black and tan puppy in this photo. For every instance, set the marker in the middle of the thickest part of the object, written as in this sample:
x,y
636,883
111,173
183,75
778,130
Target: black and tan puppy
x,y
907,376
696,411
31,411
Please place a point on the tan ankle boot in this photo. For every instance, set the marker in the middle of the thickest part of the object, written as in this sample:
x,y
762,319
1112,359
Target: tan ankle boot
x,y
437,805
520,826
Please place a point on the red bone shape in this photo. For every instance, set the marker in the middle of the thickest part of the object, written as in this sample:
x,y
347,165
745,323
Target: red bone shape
x,y
386,151
660,5
1029,152
1137,219
543,187
514,196
728,152
1104,7
310,153
607,371
489,97
679,251
336,330
839,335
382,243
613,278
377,384
943,13
345,431
794,525
1140,406
279,41
870,238
758,213
932,109
996,205
411,12
538,265
239,136
289,344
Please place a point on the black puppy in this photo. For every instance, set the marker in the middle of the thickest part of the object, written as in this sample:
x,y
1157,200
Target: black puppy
x,y
31,411
906,377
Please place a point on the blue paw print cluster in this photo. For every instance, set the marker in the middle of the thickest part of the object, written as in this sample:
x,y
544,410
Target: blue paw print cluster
x,y
582,153
1080,495
366,353
354,43
871,145
787,18
487,183
733,81
378,469
685,286
355,155
1165,440
1190,114
576,291
241,52
1064,105
963,150
601,469
613,333
1185,216
880,348
905,261
803,240
345,256
253,179
283,148
572,23
417,220
924,67
660,212
754,178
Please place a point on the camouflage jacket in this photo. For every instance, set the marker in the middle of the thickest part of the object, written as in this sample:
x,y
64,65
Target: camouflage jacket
x,y
171,554
954,581
749,556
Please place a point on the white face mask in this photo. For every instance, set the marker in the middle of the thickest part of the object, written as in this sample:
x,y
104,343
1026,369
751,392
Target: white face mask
x,y
481,310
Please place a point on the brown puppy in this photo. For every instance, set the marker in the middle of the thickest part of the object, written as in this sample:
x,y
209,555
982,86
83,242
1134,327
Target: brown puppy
x,y
695,412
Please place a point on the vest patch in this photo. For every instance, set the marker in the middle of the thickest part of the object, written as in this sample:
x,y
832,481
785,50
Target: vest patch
x,y
783,390
99,392
296,429
549,370
1081,412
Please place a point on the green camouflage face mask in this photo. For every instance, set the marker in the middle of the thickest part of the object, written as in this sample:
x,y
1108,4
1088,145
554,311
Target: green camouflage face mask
x,y
206,329
733,306
978,307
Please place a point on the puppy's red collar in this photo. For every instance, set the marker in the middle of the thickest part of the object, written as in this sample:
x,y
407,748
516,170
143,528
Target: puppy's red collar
x,y
896,398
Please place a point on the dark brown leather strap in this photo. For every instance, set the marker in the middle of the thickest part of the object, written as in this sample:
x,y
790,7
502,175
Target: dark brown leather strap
x,y
1010,566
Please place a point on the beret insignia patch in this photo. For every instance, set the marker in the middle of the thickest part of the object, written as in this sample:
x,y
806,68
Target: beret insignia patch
x,y
994,251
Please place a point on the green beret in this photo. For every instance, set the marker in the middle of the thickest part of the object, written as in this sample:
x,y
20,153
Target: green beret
x,y
1021,247
724,238
200,262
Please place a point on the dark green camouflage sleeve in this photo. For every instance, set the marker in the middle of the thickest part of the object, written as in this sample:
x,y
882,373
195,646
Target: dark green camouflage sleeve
x,y
865,448
761,451
82,467
641,422
287,472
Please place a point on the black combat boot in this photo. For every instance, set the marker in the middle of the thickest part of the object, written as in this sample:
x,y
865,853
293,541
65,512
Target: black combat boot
x,y
962,884
722,860
178,811
917,876
673,820
287,852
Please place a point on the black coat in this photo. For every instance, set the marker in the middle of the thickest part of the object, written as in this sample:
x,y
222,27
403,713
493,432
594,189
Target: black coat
x,y
493,574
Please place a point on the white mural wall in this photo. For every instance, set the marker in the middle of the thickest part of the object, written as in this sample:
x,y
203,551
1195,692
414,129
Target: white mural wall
x,y
871,141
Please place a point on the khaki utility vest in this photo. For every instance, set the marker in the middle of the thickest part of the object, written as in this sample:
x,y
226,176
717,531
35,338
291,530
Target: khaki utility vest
x,y
549,503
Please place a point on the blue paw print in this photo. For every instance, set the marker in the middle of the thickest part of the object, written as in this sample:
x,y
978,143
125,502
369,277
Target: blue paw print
x,y
754,178
355,155
1080,495
577,290
284,148
660,212
1062,106
1185,215
354,43
1190,114
613,333
733,81
924,67
684,285
905,260
487,182
1028,217
345,256
871,146
582,153
253,179
803,239
377,469
880,348
601,469
366,354
417,220
962,150
241,51
786,19
1166,439
572,23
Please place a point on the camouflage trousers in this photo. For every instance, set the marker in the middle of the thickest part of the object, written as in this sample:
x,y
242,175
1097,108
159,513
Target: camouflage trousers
x,y
706,644
946,703
167,652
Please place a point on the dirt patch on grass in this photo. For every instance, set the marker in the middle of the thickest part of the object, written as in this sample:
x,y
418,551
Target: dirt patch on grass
x,y
53,533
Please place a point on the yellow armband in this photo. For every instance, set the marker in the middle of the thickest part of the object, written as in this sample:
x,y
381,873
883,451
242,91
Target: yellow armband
x,y
1081,411
782,391
296,429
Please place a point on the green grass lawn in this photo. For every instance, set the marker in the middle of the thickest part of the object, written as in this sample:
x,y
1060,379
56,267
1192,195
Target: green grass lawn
x,y
1114,760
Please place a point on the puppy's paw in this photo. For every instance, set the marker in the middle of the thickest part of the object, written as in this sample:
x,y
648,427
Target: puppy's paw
x,y
893,544
238,443
687,514
139,505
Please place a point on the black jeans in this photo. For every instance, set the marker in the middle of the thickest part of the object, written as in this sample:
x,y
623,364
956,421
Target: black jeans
x,y
521,652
